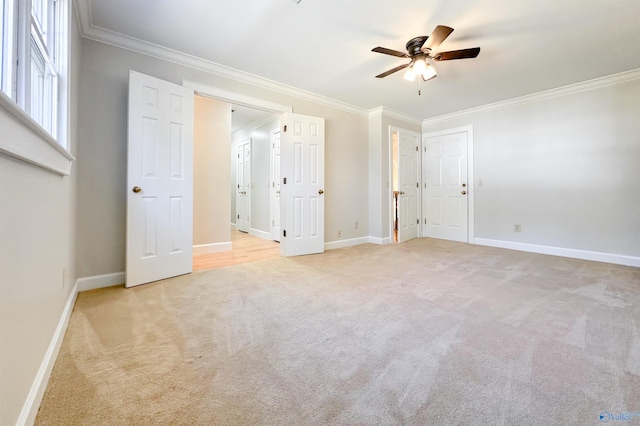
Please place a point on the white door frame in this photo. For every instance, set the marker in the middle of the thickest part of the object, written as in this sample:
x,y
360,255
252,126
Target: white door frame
x,y
471,185
393,129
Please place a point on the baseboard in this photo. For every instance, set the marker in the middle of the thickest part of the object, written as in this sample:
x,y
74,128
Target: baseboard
x,y
260,234
233,226
381,241
212,248
100,281
331,245
618,259
34,398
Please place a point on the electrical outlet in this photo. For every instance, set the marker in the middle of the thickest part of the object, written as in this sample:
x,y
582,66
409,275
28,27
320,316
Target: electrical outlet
x,y
517,228
339,233
356,225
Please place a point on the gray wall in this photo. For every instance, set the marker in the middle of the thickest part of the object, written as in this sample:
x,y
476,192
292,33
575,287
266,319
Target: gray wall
x,y
566,169
102,153
37,257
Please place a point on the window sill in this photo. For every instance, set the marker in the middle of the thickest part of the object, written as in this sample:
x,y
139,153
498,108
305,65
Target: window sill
x,y
42,151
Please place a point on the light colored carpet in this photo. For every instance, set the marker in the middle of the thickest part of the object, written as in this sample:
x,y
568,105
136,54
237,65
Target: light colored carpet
x,y
427,332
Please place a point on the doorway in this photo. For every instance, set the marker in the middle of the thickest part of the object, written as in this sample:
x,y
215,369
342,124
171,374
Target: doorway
x,y
405,185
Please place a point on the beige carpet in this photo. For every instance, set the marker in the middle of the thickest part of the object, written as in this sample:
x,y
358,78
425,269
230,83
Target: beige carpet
x,y
428,332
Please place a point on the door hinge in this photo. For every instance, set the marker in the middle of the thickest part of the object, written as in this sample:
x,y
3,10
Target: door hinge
x,y
417,149
417,184
273,223
284,233
285,128
238,216
417,221
425,220
284,181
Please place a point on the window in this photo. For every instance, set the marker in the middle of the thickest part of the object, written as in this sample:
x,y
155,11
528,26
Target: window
x,y
34,60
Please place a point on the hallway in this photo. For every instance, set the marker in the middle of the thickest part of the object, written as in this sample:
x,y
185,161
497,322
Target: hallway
x,y
245,248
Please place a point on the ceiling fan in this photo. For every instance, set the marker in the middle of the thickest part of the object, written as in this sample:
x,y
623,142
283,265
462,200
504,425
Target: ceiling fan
x,y
421,48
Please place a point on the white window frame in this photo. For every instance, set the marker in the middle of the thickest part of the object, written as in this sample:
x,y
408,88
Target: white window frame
x,y
23,35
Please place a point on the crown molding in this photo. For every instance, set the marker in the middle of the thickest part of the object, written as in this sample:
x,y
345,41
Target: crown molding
x,y
584,86
102,35
392,113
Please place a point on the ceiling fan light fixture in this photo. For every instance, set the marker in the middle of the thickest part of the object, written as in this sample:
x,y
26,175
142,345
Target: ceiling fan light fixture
x,y
420,65
410,74
429,72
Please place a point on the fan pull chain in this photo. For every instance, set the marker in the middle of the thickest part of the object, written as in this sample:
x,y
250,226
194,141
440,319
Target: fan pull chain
x,y
419,85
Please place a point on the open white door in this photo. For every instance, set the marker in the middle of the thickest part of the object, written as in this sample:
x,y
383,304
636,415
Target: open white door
x,y
275,186
243,191
446,190
302,189
159,180
408,213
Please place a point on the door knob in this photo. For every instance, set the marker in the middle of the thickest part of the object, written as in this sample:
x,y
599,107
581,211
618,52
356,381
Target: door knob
x,y
320,191
464,185
137,189
464,192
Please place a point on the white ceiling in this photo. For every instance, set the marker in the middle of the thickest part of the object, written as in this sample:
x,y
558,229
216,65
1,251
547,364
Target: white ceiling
x,y
324,46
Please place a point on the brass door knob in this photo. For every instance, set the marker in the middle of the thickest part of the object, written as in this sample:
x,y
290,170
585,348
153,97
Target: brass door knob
x,y
137,189
464,192
320,191
464,185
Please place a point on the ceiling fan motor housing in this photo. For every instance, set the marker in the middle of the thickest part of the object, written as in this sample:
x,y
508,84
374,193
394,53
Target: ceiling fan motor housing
x,y
414,46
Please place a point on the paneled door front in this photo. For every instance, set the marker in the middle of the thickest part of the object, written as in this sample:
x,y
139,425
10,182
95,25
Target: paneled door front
x,y
243,187
302,189
446,186
159,180
408,207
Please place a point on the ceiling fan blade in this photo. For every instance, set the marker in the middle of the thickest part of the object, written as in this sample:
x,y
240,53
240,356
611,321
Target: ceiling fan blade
x,y
457,54
391,71
390,52
437,37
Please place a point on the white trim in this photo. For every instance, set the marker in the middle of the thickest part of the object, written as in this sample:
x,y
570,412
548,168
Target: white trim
x,y
211,248
584,86
332,245
619,259
44,151
379,241
471,190
236,98
260,234
383,111
122,41
39,385
100,281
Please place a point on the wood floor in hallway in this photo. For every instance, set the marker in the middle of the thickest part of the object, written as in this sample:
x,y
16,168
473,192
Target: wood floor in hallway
x,y
245,248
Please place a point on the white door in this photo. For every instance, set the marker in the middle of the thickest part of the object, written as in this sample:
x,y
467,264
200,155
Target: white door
x,y
446,189
302,189
159,180
243,191
408,213
275,186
